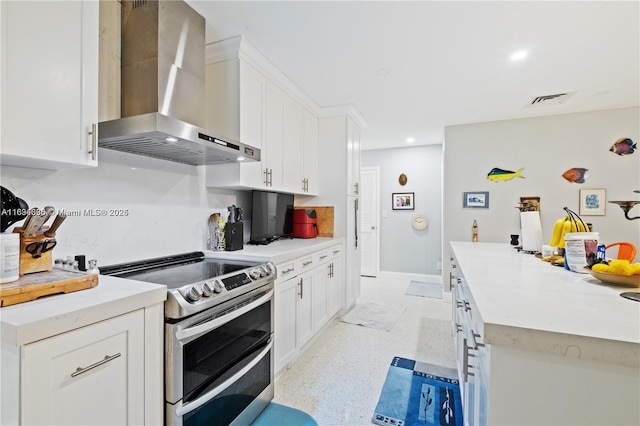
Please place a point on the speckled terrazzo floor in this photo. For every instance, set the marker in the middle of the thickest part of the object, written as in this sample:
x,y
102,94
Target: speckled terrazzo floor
x,y
338,379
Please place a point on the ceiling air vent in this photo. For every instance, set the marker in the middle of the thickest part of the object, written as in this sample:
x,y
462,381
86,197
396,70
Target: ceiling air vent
x,y
556,99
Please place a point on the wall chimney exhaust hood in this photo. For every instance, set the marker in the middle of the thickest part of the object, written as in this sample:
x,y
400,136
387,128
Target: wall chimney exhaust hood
x,y
162,80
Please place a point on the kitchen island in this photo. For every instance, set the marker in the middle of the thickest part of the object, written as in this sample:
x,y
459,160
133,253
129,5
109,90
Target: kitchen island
x,y
537,344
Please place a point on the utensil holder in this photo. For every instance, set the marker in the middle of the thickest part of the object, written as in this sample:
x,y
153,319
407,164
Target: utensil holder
x,y
28,263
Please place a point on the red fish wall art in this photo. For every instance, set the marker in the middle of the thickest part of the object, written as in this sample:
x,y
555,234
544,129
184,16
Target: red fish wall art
x,y
576,175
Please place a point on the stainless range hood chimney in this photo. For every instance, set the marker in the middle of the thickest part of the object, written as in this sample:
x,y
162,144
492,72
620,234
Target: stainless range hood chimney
x,y
163,90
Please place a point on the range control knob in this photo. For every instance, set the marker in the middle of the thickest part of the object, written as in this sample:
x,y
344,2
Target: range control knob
x,y
207,289
194,294
263,271
255,274
217,286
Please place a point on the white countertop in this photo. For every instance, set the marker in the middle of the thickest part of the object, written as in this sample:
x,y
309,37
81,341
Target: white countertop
x,y
41,318
278,251
524,302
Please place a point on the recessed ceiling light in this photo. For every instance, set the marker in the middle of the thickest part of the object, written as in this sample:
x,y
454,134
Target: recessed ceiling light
x,y
410,140
171,139
521,54
240,158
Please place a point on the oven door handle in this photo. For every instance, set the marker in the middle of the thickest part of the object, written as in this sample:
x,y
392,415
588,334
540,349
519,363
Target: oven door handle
x,y
210,325
181,411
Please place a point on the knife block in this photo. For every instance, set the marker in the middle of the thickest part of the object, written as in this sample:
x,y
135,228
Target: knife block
x,y
29,264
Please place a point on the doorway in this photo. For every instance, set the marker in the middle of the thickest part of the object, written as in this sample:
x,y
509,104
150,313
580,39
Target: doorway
x,y
369,221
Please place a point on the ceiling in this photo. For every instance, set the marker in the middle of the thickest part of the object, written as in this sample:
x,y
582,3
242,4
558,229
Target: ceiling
x,y
412,68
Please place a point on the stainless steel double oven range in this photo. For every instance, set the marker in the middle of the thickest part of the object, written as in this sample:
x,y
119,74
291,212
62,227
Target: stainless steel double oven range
x,y
218,335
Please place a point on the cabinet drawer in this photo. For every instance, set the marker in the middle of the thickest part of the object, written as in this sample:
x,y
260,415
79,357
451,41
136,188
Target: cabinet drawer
x,y
335,251
286,270
305,263
321,256
91,375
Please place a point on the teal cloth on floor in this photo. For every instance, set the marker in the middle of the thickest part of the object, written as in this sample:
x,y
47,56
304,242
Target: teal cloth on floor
x,y
280,415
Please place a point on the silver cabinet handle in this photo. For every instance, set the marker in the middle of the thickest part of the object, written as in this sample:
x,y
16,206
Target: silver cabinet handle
x,y
336,251
307,263
301,288
106,359
270,177
323,256
94,141
286,271
266,177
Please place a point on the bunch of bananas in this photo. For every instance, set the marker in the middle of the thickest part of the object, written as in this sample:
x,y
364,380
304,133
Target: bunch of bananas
x,y
571,222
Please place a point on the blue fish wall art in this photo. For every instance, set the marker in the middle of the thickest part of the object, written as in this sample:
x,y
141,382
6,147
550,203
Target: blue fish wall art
x,y
623,146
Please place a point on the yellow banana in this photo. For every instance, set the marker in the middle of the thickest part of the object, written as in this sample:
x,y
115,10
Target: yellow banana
x,y
580,226
574,227
557,232
566,227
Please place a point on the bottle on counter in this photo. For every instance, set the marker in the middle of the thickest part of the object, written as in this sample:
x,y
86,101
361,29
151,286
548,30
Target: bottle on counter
x,y
93,267
474,231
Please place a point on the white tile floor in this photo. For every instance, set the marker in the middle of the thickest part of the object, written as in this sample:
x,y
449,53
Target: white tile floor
x,y
338,379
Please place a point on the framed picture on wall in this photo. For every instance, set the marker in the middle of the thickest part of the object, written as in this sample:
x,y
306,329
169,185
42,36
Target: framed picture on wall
x,y
475,200
592,202
403,201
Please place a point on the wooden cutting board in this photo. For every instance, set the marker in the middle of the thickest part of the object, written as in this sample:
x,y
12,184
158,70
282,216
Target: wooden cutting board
x,y
32,286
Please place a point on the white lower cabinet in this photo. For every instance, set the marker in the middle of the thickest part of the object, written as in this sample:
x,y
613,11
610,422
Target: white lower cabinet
x,y
92,375
307,295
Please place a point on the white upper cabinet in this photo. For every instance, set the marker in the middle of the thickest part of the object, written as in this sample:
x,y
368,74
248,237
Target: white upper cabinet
x,y
250,100
49,83
353,157
235,107
310,153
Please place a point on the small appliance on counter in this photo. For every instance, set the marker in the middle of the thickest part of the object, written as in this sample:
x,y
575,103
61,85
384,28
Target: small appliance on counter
x,y
233,230
305,223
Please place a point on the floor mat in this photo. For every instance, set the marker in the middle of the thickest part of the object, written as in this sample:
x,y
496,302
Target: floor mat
x,y
418,288
381,316
416,393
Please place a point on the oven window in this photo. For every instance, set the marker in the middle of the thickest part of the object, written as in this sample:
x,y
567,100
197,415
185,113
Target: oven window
x,y
209,359
227,405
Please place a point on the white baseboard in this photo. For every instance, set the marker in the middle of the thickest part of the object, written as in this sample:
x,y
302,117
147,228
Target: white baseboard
x,y
388,275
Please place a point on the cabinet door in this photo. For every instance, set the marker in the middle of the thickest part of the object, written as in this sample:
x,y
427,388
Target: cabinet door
x,y
304,319
92,375
292,154
319,288
49,83
253,87
274,140
286,295
335,287
353,158
310,153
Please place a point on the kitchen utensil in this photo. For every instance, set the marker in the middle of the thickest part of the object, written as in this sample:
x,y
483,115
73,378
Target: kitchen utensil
x,y
36,249
233,214
33,223
51,232
615,279
48,211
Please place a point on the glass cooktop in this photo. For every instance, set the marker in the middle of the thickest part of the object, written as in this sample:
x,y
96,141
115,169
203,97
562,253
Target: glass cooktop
x,y
176,272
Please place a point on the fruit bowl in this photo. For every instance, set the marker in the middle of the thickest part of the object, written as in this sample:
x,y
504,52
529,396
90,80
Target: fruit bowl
x,y
615,279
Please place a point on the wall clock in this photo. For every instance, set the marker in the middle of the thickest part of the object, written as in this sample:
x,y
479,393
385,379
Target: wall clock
x,y
419,222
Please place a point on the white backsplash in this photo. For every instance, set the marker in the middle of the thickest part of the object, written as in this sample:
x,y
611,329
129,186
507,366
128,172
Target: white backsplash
x,y
167,206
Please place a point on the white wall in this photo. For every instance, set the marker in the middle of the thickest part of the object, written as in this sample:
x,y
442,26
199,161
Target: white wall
x,y
546,147
168,206
402,248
